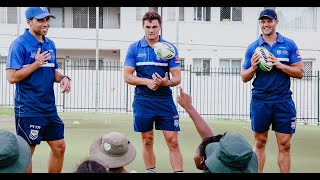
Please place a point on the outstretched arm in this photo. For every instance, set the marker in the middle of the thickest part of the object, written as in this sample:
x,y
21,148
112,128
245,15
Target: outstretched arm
x,y
201,125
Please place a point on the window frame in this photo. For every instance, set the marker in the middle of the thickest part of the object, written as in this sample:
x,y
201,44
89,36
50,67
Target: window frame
x,y
232,70
181,11
88,18
204,16
231,12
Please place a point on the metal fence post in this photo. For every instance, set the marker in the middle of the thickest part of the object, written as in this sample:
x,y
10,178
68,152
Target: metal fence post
x,y
63,64
318,76
97,60
127,98
190,85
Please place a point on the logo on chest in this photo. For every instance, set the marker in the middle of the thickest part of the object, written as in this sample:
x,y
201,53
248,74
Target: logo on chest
x,y
33,54
283,52
141,55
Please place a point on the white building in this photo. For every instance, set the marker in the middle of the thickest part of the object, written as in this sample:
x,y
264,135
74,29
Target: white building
x,y
206,36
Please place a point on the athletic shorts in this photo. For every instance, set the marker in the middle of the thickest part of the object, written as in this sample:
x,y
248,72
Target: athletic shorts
x,y
162,115
282,117
37,129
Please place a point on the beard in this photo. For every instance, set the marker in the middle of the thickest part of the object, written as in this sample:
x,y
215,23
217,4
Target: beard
x,y
41,32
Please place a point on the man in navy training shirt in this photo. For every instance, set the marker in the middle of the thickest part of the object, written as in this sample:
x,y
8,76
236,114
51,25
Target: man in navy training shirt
x,y
153,103
271,102
32,66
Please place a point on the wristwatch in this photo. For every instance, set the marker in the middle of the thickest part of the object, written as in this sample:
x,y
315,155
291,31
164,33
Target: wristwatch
x,y
66,77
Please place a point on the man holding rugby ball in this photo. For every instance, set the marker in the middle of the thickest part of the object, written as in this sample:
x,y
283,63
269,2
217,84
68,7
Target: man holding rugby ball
x,y
271,102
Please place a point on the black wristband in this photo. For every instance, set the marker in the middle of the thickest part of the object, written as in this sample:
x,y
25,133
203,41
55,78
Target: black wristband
x,y
66,77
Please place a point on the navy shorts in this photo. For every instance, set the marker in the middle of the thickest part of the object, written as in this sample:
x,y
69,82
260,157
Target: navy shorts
x,y
162,115
37,129
282,117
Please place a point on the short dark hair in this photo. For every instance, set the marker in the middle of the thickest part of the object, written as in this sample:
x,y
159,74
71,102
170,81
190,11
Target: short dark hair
x,y
206,141
149,16
90,166
114,170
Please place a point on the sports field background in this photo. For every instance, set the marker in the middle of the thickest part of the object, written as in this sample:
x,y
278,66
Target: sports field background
x,y
78,137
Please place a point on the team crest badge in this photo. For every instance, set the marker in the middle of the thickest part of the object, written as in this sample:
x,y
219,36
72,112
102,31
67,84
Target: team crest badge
x,y
33,134
176,123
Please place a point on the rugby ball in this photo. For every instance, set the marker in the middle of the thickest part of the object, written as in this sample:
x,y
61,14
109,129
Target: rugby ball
x,y
164,50
264,65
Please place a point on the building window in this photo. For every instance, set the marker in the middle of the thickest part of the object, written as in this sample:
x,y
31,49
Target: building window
x,y
3,59
92,64
8,15
172,13
77,63
142,10
58,12
230,66
201,66
230,13
182,64
297,18
85,17
112,17
202,14
308,68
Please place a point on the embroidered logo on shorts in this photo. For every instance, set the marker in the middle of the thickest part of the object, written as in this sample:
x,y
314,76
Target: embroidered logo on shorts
x,y
176,123
33,134
175,116
293,123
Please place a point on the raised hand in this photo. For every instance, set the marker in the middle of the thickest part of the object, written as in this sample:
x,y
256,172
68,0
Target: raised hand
x,y
184,99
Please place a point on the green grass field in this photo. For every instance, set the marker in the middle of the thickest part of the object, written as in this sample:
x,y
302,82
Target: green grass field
x,y
305,156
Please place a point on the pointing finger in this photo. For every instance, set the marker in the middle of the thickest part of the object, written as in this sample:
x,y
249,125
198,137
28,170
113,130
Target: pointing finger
x,y
181,91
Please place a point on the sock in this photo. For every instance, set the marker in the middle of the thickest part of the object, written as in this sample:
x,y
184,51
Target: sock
x,y
152,170
179,171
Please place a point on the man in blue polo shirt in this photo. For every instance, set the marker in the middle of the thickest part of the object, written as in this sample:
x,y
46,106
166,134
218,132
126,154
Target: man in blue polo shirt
x,y
153,102
32,66
271,102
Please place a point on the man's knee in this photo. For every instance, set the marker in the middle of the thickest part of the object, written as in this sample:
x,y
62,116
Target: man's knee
x,y
59,148
148,140
173,143
261,142
284,146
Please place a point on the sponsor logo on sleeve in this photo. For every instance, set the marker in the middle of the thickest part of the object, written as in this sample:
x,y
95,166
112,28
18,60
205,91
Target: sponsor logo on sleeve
x,y
298,54
177,59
